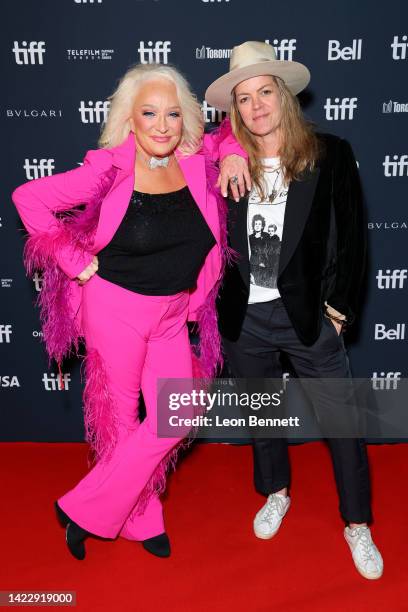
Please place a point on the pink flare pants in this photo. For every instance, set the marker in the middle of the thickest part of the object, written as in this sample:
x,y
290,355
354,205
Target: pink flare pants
x,y
139,340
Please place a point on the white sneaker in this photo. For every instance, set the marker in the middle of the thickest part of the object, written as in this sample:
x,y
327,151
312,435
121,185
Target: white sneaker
x,y
269,518
366,556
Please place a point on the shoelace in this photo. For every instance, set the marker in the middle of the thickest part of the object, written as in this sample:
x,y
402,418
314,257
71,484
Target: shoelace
x,y
364,539
275,504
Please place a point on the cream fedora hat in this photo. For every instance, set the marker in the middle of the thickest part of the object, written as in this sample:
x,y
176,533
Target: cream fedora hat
x,y
252,59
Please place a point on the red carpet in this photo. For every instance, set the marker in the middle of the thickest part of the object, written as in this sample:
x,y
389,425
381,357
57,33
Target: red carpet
x,y
216,563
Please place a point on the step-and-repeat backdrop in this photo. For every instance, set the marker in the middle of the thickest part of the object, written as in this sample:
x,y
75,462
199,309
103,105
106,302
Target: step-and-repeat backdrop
x,y
62,59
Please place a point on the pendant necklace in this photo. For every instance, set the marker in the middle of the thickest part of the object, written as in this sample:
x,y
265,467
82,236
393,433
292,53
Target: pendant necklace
x,y
272,196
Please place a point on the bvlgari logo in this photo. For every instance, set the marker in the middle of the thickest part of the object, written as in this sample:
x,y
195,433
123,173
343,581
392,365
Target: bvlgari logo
x,y
387,225
34,113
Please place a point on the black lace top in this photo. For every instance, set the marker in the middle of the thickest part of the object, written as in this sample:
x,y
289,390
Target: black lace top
x,y
160,245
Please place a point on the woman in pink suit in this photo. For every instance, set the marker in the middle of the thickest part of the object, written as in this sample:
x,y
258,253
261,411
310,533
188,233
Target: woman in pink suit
x,y
138,254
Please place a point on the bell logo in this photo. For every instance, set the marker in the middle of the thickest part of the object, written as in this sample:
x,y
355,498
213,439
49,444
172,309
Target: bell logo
x,y
397,167
157,54
95,112
345,53
52,382
391,280
31,54
38,169
340,109
392,334
5,333
399,49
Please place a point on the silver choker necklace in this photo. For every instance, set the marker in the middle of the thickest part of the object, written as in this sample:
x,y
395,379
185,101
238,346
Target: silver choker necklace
x,y
161,162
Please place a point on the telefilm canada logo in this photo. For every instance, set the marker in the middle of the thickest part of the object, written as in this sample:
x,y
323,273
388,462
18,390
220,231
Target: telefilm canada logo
x,y
6,283
89,55
38,168
29,53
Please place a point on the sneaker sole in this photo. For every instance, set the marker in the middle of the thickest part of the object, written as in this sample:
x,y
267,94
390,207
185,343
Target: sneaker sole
x,y
367,576
262,536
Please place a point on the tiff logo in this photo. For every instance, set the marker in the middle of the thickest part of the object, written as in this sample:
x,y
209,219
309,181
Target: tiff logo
x,y
399,49
391,280
88,1
38,281
340,109
398,167
392,334
38,169
211,114
154,54
213,1
284,49
386,381
345,53
52,382
32,54
95,112
5,333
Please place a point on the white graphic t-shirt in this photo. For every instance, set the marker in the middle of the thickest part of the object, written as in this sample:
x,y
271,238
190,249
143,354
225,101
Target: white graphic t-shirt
x,y
265,228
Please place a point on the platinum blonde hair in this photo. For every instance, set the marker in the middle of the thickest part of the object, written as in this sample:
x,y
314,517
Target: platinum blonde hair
x,y
117,126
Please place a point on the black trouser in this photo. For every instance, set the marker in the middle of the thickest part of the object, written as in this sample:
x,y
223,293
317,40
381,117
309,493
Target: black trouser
x,y
266,333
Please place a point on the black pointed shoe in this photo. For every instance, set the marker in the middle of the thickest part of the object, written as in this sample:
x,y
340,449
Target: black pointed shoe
x,y
74,534
158,545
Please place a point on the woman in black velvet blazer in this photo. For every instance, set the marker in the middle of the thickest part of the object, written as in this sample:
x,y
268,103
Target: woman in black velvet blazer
x,y
322,256
307,186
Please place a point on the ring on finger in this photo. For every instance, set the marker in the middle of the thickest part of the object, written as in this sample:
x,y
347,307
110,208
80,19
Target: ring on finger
x,y
234,179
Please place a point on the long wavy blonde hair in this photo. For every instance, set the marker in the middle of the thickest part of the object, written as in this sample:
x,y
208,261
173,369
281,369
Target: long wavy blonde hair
x,y
299,147
117,126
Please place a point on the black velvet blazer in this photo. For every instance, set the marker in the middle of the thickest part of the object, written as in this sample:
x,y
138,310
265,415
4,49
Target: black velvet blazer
x,y
323,246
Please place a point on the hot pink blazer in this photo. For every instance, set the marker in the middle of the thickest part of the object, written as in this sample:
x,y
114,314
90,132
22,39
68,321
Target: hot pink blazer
x,y
36,201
